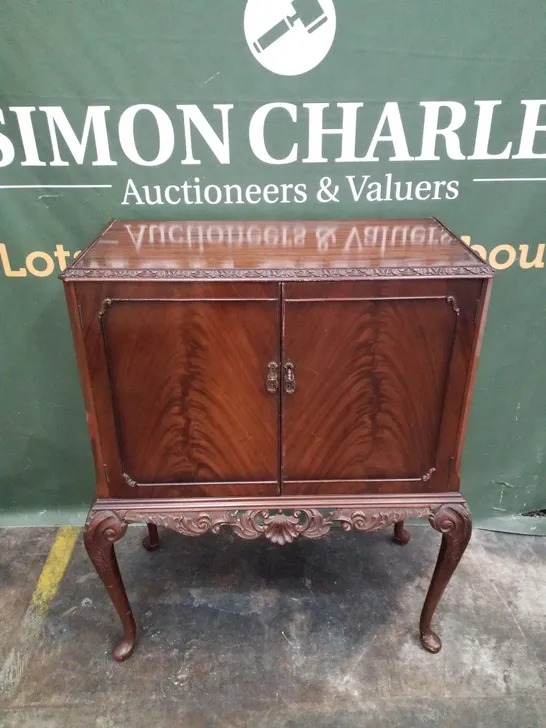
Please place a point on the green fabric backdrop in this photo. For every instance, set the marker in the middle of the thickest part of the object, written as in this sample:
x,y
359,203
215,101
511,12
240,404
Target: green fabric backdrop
x,y
76,55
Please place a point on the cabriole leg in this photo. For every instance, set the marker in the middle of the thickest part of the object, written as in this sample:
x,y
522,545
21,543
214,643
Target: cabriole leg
x,y
454,522
151,541
102,530
401,534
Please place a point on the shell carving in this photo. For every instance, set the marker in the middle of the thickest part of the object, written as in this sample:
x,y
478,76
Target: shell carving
x,y
281,528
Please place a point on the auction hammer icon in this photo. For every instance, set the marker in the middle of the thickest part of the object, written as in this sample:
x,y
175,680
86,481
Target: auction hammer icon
x,y
309,12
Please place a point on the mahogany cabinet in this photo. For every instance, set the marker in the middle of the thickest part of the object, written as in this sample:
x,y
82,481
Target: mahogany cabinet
x,y
276,378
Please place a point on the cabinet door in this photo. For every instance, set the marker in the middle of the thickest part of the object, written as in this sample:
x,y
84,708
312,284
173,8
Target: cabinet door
x,y
184,383
379,385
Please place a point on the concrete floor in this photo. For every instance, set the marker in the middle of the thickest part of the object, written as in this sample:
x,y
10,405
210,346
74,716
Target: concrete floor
x,y
236,633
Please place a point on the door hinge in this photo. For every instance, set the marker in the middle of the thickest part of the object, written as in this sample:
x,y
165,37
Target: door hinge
x,y
450,468
106,473
477,310
80,314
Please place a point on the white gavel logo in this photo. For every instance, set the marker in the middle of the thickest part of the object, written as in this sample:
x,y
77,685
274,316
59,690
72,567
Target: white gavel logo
x,y
290,37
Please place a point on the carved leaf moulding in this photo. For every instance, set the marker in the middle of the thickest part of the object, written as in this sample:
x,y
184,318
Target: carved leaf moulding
x,y
281,527
280,273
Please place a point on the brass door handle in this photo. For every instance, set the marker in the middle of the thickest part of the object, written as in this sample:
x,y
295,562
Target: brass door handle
x,y
272,380
289,378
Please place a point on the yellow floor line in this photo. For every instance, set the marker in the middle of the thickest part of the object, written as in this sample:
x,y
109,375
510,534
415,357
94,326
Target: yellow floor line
x,y
46,587
57,560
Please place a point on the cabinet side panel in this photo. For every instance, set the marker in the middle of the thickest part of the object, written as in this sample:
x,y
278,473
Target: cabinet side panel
x,y
467,293
85,380
481,316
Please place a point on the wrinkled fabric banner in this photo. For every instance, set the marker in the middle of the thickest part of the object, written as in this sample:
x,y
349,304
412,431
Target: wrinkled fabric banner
x,y
262,110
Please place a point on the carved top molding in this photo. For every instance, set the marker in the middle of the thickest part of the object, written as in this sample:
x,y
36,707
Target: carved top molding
x,y
289,274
